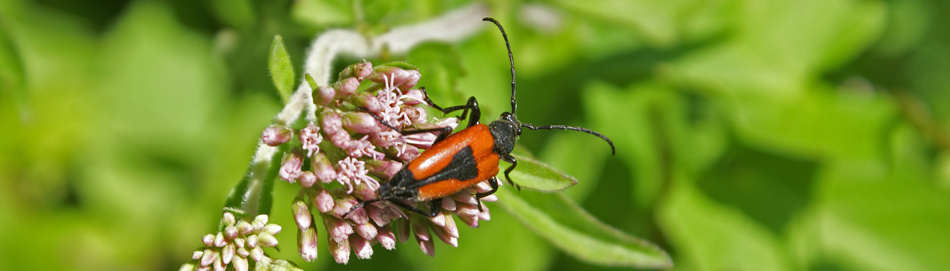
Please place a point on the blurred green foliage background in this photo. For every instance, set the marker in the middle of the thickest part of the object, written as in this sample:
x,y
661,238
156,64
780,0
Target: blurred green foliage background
x,y
751,135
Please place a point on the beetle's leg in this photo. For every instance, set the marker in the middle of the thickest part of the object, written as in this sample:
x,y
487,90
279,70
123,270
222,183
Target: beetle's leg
x,y
443,132
494,188
472,105
514,162
435,208
414,209
359,205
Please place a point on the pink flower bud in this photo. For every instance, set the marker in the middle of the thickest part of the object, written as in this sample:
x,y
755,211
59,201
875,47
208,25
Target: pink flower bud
x,y
438,220
448,204
363,70
219,264
364,191
196,255
413,97
383,169
368,101
290,167
307,179
444,236
403,230
466,198
301,214
259,222
450,226
340,250
346,87
323,201
411,79
415,114
342,206
386,237
469,220
322,168
208,257
228,219
359,122
307,244
341,139
230,232
484,215
243,227
386,138
362,248
252,241
359,70
227,253
382,213
331,122
419,228
422,140
324,95
267,240
208,240
257,254
399,78
275,135
427,246
408,154
239,242
367,231
338,229
219,240
240,264
466,209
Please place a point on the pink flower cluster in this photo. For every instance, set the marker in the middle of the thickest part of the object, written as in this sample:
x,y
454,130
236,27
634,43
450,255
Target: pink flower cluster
x,y
342,158
239,242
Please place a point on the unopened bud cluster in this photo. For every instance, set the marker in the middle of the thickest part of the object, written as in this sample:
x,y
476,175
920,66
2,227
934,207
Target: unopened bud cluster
x,y
239,242
341,158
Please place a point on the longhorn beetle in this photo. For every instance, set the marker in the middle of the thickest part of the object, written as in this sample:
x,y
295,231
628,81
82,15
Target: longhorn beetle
x,y
463,159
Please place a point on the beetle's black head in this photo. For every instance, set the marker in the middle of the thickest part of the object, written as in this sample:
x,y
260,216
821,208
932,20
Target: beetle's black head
x,y
505,131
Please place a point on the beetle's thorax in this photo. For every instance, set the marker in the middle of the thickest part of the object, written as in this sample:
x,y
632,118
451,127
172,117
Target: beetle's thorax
x,y
505,131
397,186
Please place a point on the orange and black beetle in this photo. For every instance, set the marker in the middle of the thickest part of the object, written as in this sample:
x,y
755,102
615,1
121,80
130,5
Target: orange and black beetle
x,y
463,159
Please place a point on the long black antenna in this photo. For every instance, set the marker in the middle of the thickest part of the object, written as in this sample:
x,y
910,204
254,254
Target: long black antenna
x,y
514,104
613,150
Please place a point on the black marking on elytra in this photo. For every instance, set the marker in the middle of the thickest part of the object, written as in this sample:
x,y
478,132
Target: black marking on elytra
x,y
462,167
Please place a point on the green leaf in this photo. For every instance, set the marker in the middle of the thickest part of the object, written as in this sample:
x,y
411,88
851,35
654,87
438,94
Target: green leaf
x,y
559,220
635,121
12,77
322,13
281,70
254,194
235,13
536,175
868,221
584,162
715,237
398,64
651,22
